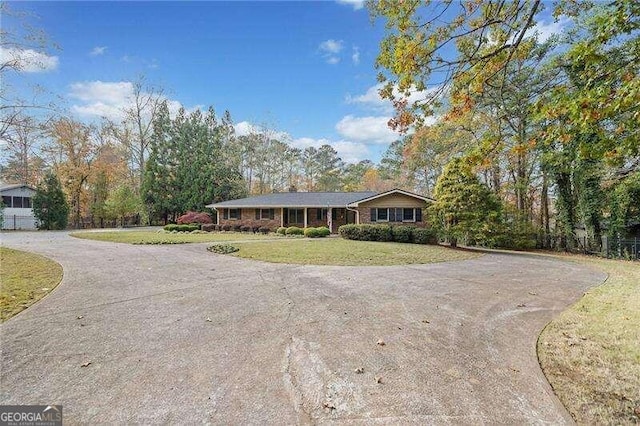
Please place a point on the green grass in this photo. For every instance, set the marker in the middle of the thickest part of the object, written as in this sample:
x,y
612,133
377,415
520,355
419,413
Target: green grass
x,y
336,251
154,237
25,278
591,352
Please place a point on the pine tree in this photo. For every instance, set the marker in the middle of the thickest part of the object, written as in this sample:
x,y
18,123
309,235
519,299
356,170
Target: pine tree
x,y
50,204
465,210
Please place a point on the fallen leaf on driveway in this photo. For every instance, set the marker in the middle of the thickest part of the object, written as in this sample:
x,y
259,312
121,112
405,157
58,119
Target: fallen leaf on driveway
x,y
381,342
208,319
359,370
522,305
426,321
533,293
80,317
86,364
378,379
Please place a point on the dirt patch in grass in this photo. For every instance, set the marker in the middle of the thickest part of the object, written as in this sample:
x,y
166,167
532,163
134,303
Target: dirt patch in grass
x,y
154,237
336,251
591,352
26,278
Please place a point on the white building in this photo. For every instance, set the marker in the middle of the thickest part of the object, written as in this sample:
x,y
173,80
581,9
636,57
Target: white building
x,y
17,201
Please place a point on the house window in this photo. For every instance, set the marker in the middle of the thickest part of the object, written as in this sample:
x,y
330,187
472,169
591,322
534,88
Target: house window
x,y
17,202
26,202
409,215
321,214
396,214
6,201
296,215
265,214
234,214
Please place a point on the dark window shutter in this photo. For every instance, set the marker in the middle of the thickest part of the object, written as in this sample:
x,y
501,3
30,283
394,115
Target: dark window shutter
x,y
374,215
318,214
418,215
392,215
272,214
225,214
257,214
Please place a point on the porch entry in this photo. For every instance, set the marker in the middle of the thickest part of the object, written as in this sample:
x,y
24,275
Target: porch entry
x,y
300,216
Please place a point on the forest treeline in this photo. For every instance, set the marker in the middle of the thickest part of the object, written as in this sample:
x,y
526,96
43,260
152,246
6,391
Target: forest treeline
x,y
537,133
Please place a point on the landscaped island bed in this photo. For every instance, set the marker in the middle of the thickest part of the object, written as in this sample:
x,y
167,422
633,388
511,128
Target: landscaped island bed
x,y
591,352
26,278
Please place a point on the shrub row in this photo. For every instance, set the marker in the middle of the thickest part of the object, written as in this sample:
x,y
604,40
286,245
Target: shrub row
x,y
320,232
400,234
181,228
237,228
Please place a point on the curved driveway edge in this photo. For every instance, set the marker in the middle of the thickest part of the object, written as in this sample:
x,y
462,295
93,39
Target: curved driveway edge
x,y
175,334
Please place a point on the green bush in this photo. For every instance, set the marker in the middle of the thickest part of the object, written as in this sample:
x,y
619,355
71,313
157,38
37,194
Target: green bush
x,y
366,232
402,234
181,228
349,232
294,230
282,230
222,249
424,236
311,233
324,231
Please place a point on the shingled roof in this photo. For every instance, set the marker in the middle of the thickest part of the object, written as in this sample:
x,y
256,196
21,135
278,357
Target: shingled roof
x,y
295,199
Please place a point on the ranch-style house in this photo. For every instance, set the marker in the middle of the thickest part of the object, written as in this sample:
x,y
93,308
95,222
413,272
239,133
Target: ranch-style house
x,y
330,209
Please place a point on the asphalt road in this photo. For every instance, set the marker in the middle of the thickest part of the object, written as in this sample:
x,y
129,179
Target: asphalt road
x,y
175,334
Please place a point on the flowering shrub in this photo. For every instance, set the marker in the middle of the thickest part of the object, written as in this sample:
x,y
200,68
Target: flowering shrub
x,y
194,217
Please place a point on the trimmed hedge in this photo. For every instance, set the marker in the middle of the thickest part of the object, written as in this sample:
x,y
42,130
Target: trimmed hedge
x,y
320,232
366,232
294,230
180,228
424,236
282,230
208,227
400,234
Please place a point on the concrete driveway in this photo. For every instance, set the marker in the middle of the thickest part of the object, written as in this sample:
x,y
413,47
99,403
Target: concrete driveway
x,y
175,334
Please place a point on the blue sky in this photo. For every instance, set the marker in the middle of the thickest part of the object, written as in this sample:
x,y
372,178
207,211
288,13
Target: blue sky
x,y
305,69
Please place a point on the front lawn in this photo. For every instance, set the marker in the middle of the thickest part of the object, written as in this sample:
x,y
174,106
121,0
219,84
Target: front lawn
x,y
154,237
591,352
25,278
336,251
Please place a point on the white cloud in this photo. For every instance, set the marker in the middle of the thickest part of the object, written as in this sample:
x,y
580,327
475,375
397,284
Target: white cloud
x,y
109,99
98,50
331,46
371,99
245,128
355,56
372,130
331,49
356,4
350,152
545,31
28,60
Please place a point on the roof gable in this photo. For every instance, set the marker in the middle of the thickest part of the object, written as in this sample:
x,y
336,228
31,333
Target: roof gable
x,y
295,199
391,192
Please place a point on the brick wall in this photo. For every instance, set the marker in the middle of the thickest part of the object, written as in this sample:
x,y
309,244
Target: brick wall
x,y
248,218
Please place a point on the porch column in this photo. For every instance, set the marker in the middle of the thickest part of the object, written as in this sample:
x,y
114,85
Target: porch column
x,y
281,217
305,217
329,219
